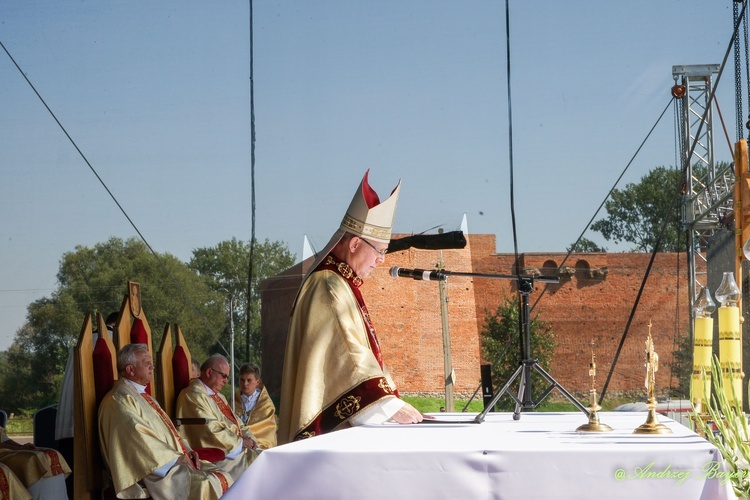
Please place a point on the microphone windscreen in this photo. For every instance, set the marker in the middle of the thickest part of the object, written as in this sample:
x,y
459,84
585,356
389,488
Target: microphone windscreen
x,y
394,272
442,241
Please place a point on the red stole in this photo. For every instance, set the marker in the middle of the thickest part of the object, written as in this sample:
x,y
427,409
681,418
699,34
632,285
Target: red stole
x,y
226,411
4,485
54,459
167,421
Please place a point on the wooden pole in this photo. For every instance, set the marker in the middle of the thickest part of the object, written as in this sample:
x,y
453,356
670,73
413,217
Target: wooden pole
x,y
447,363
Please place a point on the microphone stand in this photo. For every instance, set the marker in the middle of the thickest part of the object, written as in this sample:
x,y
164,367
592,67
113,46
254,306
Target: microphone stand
x,y
524,399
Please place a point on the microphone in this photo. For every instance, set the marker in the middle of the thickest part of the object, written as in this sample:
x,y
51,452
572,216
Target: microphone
x,y
449,240
418,274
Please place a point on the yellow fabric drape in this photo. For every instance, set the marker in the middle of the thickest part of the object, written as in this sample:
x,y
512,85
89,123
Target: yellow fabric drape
x,y
261,420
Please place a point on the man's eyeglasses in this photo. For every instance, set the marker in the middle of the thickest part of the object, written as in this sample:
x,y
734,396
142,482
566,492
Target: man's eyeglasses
x,y
380,252
223,375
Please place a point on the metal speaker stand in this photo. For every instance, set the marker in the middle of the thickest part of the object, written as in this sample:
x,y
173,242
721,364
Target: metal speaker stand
x,y
524,399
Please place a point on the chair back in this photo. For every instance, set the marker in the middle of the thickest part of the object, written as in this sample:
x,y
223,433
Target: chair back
x,y
173,367
94,373
44,427
132,326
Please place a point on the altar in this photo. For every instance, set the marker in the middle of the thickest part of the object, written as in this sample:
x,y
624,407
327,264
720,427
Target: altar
x,y
540,456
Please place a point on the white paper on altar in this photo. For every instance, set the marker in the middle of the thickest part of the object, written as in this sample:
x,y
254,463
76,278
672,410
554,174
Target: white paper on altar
x,y
539,456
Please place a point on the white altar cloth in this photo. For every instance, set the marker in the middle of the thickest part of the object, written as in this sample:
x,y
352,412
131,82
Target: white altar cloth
x,y
539,456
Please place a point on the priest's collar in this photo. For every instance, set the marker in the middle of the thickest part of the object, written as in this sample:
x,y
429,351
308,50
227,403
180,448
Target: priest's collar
x,y
210,391
138,387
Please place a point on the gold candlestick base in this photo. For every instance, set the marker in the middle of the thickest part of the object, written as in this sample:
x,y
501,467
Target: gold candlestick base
x,y
594,425
652,424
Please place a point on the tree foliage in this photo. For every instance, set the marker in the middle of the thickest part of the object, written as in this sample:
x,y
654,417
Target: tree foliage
x,y
500,346
636,214
225,270
95,279
585,245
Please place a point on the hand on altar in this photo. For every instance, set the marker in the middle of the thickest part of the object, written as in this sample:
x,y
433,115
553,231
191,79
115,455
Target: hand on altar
x,y
407,415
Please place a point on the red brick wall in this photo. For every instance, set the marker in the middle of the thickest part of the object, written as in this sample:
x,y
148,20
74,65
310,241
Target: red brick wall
x,y
592,302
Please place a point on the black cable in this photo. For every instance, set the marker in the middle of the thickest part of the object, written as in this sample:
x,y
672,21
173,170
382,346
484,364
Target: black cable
x,y
111,195
747,76
252,194
515,240
737,77
512,179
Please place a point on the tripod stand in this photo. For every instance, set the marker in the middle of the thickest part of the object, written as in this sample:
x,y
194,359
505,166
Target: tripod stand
x,y
524,400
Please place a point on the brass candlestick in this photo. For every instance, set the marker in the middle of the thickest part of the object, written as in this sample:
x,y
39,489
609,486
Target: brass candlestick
x,y
594,425
652,424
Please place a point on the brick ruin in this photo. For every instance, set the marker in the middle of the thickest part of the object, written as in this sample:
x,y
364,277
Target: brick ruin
x,y
593,301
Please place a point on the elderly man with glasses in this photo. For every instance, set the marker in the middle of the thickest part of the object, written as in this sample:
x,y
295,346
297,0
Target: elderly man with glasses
x,y
334,375
224,429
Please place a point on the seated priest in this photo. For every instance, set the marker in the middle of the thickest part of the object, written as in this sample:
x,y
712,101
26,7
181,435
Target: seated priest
x,y
254,406
142,448
41,470
10,486
224,430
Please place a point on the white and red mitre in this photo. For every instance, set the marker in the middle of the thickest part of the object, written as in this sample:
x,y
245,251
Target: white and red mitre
x,y
367,216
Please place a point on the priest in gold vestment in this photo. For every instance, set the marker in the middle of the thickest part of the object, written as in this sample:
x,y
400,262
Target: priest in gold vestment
x,y
334,375
41,470
142,449
224,430
11,488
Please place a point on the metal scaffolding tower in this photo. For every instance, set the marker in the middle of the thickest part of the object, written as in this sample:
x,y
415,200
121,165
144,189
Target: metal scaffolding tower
x,y
708,193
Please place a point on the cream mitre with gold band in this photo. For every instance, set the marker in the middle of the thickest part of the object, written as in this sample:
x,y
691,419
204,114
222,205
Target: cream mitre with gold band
x,y
366,217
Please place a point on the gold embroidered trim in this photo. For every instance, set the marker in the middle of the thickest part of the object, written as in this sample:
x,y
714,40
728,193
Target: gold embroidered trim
x,y
363,229
347,407
346,271
385,386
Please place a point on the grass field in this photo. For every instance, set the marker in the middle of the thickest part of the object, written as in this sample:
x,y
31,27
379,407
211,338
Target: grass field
x,y
24,426
434,405
20,426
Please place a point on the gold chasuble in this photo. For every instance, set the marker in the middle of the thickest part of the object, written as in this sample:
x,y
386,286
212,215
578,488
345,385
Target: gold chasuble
x,y
11,487
333,368
261,419
32,465
137,438
224,429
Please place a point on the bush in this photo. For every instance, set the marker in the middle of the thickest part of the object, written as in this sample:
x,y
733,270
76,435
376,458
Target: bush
x,y
500,345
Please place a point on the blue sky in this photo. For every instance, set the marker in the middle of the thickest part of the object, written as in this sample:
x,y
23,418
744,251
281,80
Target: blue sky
x,y
157,97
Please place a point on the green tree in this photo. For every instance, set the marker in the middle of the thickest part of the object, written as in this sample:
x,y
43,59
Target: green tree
x,y
225,269
500,346
585,245
636,214
94,279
